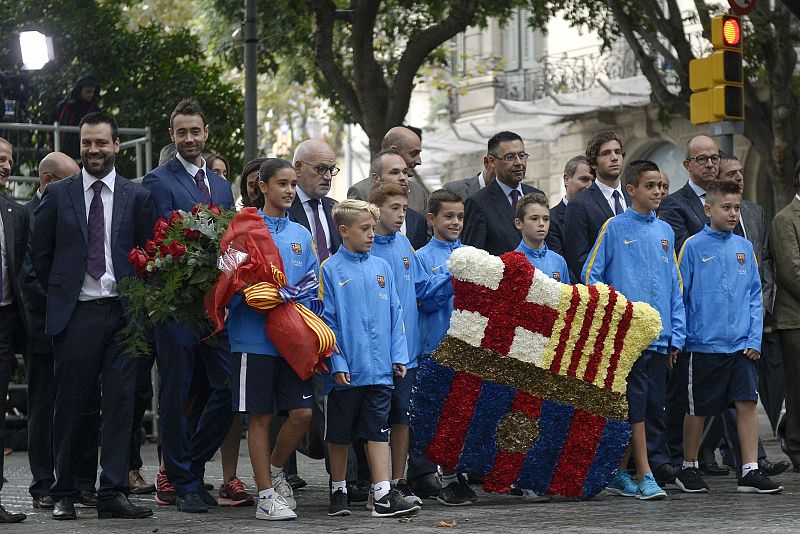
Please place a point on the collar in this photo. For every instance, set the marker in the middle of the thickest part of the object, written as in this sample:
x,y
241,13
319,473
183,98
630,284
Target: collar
x,y
38,193
565,200
608,191
275,224
108,179
507,190
649,217
717,235
697,189
481,180
444,245
350,255
191,168
535,252
385,239
302,196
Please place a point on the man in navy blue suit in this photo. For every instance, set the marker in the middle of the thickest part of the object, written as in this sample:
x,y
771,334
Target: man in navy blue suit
x,y
84,229
181,183
578,177
606,197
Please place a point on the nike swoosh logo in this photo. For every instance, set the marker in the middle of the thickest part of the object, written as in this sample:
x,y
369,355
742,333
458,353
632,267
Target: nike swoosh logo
x,y
437,267
384,430
382,505
629,242
708,259
307,397
343,283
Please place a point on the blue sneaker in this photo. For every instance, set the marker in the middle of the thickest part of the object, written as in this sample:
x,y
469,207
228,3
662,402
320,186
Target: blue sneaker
x,y
622,484
649,489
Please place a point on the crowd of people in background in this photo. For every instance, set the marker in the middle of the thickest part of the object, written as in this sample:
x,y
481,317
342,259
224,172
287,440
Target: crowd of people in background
x,y
721,277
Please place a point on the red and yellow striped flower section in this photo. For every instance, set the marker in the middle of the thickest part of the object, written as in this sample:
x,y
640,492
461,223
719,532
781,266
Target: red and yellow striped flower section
x,y
590,333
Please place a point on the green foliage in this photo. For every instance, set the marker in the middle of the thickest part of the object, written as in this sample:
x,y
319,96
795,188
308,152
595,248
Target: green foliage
x,y
143,70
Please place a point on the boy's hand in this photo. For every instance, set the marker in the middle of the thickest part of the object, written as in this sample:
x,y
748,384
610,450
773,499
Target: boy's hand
x,y
399,370
341,379
672,357
753,354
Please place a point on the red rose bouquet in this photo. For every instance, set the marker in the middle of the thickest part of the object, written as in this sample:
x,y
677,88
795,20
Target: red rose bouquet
x,y
175,271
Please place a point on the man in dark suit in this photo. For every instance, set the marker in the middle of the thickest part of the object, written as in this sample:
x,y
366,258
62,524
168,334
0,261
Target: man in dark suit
x,y
489,214
181,183
39,368
389,167
13,243
586,214
577,179
467,187
85,227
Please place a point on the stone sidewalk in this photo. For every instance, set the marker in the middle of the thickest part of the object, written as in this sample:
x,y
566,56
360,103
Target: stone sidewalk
x,y
722,510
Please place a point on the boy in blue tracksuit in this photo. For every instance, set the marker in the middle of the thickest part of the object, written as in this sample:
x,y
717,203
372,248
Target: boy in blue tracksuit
x,y
413,285
363,310
724,321
533,221
264,379
634,253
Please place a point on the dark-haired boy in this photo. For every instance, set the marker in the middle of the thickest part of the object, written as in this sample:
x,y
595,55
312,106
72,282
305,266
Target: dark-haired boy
x,y
533,221
720,274
634,253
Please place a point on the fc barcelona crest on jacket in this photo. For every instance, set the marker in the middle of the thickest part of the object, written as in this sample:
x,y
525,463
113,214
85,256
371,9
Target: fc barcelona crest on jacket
x,y
381,281
665,245
406,263
740,257
297,249
556,276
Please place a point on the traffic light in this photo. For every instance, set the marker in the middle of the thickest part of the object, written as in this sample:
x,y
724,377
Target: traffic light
x,y
717,80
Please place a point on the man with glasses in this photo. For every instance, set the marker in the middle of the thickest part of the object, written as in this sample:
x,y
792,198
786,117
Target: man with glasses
x,y
490,213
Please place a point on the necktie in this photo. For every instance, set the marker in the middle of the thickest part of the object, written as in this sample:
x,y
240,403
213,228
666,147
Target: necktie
x,y
320,238
617,204
96,261
514,199
205,196
703,198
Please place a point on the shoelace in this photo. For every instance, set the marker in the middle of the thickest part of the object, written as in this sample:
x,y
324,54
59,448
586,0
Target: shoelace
x,y
236,485
280,502
163,483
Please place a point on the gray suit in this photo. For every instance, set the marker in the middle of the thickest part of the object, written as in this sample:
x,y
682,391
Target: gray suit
x,y
465,187
755,228
417,196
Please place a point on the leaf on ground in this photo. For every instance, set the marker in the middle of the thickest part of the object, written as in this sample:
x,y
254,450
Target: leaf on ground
x,y
446,524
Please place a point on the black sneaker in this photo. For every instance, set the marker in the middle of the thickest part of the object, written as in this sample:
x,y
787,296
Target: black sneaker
x,y
757,482
457,493
425,486
206,497
690,480
358,492
405,491
338,504
393,505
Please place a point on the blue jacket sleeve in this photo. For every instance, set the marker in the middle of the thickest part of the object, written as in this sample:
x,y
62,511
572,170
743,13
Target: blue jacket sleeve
x,y
756,309
672,213
677,309
564,271
595,269
338,362
433,290
399,345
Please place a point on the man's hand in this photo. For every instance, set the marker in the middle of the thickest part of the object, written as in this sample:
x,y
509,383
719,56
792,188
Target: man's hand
x,y
399,370
753,354
672,357
341,379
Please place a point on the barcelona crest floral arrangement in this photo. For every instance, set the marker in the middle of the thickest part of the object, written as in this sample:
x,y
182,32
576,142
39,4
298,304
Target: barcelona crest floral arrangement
x,y
528,385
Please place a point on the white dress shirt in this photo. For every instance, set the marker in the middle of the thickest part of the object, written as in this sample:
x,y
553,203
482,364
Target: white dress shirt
x,y
481,180
507,191
106,286
303,198
608,192
192,169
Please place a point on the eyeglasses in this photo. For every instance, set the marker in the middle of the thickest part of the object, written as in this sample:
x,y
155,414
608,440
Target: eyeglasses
x,y
509,158
702,160
322,169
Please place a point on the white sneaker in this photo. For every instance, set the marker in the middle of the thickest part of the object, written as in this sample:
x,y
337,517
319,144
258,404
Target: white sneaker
x,y
283,489
274,509
532,496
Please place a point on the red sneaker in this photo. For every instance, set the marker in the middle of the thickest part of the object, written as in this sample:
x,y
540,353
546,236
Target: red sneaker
x,y
232,493
165,493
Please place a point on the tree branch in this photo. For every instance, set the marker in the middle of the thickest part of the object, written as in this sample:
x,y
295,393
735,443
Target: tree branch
x,y
367,72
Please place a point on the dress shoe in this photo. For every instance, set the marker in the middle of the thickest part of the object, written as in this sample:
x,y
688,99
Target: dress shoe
x,y
43,503
665,474
714,470
425,486
206,497
120,507
64,509
296,482
771,469
11,517
191,503
137,483
87,498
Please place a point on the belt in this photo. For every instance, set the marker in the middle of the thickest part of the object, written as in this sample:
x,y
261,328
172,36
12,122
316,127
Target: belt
x,y
101,301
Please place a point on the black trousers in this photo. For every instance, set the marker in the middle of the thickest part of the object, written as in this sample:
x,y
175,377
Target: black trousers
x,y
41,396
10,324
87,354
143,396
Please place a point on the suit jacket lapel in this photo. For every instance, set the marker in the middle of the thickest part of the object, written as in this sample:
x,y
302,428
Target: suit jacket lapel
x,y
299,213
8,227
79,204
185,180
695,203
600,200
119,207
327,207
502,204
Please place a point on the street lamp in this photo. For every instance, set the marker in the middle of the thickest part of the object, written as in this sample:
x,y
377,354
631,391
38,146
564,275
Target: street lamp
x,y
36,49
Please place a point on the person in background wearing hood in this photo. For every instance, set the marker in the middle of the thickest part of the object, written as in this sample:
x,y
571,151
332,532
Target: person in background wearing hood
x,y
84,98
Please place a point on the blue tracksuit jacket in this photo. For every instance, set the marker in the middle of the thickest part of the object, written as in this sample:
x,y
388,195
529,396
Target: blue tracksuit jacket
x,y
245,324
413,284
433,324
721,293
363,310
550,263
635,254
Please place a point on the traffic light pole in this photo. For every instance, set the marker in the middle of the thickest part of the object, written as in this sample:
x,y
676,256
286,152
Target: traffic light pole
x,y
725,130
